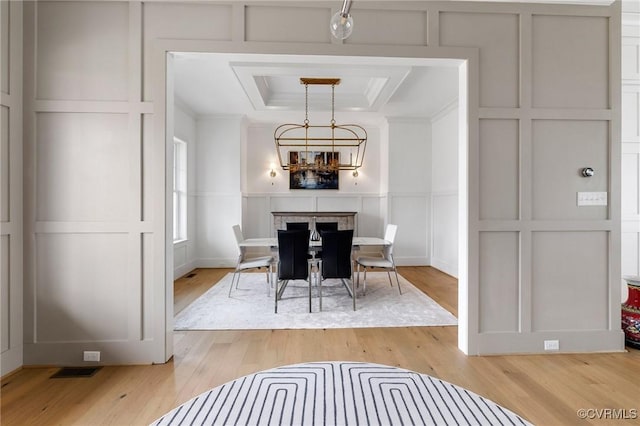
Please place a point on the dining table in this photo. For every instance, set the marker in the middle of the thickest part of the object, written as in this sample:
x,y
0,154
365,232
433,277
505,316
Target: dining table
x,y
314,246
272,242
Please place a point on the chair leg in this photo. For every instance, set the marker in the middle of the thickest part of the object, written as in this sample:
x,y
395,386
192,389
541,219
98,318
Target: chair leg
x,y
397,280
353,292
233,278
364,283
310,279
269,273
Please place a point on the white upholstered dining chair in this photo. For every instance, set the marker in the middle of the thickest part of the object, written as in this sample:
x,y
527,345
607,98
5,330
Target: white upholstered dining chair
x,y
384,261
246,262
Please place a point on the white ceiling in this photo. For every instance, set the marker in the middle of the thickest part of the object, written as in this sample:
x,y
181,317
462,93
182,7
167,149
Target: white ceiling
x,y
267,87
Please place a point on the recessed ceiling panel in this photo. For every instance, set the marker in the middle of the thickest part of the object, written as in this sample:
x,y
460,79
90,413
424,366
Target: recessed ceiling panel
x,y
278,87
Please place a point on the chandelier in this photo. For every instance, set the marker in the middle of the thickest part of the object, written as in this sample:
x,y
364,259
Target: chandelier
x,y
329,147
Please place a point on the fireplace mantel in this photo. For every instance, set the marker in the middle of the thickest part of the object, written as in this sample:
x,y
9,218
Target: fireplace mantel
x,y
346,220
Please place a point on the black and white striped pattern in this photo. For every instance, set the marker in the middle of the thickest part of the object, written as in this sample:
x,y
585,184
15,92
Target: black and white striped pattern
x,y
339,393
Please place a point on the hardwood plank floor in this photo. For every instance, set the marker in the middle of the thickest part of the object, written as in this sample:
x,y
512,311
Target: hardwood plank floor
x,y
545,389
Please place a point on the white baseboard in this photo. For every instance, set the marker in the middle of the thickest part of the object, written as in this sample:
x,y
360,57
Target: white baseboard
x,y
184,269
215,262
446,267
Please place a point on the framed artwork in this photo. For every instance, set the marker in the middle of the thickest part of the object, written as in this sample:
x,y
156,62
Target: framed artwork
x,y
317,170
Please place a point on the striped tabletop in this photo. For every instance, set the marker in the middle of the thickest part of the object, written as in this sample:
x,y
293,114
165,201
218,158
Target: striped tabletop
x,y
339,393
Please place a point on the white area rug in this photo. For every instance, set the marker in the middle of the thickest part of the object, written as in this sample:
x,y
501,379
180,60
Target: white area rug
x,y
339,393
250,308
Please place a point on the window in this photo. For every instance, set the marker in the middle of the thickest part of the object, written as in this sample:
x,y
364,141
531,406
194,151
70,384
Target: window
x,y
179,190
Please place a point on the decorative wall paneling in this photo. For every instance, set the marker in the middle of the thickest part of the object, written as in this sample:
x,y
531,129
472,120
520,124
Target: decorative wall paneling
x,y
93,227
630,141
11,194
510,80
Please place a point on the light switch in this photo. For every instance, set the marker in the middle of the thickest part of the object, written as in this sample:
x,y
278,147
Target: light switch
x,y
592,198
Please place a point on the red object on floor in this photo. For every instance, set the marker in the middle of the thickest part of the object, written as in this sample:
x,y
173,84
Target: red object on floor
x,y
631,313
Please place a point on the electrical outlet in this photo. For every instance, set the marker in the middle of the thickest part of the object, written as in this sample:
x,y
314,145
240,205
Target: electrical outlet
x,y
552,345
91,356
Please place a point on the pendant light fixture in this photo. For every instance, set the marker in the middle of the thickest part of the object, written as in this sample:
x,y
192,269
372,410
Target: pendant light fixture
x,y
341,24
330,147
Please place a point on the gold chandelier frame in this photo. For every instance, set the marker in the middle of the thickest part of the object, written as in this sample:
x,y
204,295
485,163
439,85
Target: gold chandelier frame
x,y
346,142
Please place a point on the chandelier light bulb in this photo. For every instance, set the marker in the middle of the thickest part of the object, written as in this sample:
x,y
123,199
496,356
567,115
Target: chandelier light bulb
x,y
341,25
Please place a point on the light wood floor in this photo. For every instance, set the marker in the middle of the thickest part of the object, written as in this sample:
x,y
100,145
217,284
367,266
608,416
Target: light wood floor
x,y
545,389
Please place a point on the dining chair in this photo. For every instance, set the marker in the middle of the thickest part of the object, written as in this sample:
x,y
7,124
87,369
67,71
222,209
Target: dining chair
x,y
293,261
246,262
326,226
384,261
336,261
292,226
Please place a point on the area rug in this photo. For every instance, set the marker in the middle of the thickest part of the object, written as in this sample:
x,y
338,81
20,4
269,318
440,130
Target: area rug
x,y
250,308
339,393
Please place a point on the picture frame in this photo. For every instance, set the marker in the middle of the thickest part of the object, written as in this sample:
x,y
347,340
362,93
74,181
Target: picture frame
x,y
314,170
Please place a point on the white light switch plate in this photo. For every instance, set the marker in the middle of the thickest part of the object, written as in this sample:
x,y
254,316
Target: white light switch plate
x,y
592,198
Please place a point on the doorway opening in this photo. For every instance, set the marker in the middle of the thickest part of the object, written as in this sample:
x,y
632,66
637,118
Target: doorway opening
x,y
227,94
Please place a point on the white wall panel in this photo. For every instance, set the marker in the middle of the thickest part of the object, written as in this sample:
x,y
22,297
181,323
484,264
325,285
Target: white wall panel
x,y
338,204
257,221
560,150
570,277
409,155
4,46
631,143
444,232
11,188
75,67
218,155
370,217
412,23
216,245
299,203
82,287
630,184
631,260
630,114
499,169
309,24
5,292
630,58
444,187
181,21
82,167
570,61
412,215
5,165
499,282
497,36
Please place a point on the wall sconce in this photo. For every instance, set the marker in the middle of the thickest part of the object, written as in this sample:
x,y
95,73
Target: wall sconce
x,y
355,175
272,173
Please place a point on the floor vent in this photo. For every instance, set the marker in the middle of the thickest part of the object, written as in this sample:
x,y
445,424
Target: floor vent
x,y
191,275
75,372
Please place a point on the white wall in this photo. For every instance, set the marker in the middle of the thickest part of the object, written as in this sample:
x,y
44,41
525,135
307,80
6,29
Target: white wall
x,y
218,189
409,176
538,69
444,190
630,141
184,253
